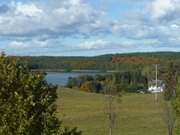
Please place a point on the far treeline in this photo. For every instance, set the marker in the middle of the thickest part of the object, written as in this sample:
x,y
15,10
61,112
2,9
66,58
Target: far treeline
x,y
131,82
101,63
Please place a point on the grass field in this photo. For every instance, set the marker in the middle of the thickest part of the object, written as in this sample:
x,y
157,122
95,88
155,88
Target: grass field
x,y
137,114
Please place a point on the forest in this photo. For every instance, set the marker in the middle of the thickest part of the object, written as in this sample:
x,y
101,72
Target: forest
x,y
101,63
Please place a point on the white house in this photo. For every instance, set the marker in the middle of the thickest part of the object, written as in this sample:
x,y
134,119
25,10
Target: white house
x,y
156,87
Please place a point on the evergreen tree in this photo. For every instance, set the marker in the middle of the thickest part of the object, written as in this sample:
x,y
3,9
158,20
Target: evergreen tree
x,y
27,102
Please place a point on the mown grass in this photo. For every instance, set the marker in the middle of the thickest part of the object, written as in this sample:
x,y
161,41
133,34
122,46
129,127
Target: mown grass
x,y
137,114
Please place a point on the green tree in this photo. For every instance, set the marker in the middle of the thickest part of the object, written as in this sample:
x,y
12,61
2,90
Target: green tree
x,y
27,102
176,104
170,78
170,82
72,82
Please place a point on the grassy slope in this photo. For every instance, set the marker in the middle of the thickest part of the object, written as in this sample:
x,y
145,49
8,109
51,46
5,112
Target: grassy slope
x,y
137,114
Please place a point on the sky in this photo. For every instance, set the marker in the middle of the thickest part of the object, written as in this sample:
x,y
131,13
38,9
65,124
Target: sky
x,y
88,27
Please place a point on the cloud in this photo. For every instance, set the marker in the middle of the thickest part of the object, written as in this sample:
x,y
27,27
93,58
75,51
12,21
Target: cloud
x,y
165,9
28,44
134,1
161,8
158,22
18,45
67,18
97,44
27,9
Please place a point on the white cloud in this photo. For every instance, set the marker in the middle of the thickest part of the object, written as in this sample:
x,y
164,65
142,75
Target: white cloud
x,y
68,17
161,8
97,44
28,44
160,22
175,26
75,2
27,9
18,45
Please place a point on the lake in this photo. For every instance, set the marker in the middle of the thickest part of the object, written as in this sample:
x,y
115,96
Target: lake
x,y
60,78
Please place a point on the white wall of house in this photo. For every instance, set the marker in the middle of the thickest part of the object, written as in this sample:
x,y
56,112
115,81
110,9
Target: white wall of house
x,y
154,89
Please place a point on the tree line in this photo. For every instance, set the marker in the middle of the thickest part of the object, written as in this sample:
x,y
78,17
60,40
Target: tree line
x,y
101,63
126,81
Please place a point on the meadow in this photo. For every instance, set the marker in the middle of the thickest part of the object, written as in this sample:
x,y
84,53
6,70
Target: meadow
x,y
137,114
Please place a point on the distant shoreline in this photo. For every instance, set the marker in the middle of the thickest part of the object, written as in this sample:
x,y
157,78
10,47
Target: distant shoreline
x,y
73,71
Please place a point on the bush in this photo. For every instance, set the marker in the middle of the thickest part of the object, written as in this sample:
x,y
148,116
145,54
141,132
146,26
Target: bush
x,y
72,82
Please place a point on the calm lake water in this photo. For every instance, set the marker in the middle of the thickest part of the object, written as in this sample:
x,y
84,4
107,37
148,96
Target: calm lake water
x,y
59,78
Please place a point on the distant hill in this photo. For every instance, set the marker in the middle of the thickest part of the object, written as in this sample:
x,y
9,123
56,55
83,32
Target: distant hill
x,y
102,62
166,55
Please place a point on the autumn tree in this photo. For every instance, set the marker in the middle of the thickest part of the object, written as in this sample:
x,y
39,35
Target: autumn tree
x,y
86,86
